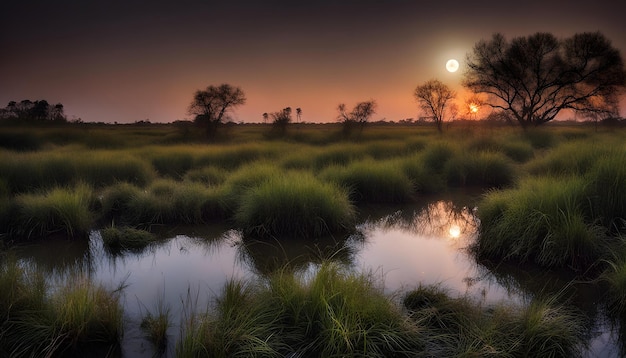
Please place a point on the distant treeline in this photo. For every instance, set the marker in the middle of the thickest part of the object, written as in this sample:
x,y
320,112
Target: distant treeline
x,y
29,110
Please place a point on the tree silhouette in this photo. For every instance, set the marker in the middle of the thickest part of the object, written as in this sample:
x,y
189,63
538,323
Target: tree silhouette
x,y
299,114
210,106
433,97
281,119
359,116
535,78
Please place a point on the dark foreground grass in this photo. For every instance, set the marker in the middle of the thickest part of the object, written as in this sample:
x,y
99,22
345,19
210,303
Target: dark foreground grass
x,y
461,327
332,313
76,319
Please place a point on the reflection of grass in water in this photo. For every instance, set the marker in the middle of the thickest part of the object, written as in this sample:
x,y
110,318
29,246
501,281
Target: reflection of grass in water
x,y
78,318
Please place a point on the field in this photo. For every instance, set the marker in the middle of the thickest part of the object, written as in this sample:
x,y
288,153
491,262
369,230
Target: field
x,y
552,198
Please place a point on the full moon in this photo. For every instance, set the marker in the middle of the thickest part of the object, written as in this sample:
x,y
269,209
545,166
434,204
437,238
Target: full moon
x,y
452,65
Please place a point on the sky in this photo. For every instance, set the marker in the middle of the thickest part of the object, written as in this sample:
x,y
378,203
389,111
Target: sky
x,y
126,61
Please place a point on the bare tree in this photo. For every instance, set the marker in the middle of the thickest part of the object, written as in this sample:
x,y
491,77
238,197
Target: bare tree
x,y
281,119
535,78
359,116
433,97
210,106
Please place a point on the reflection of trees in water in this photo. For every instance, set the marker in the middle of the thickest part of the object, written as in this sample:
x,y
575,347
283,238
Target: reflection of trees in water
x,y
267,256
438,219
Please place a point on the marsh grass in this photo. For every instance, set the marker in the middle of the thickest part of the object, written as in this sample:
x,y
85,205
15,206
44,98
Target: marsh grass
x,y
571,158
65,210
77,318
27,172
484,169
294,204
463,327
542,220
332,313
116,239
373,181
156,323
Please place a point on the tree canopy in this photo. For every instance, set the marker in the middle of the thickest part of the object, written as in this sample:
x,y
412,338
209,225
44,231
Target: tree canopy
x,y
39,110
536,77
211,106
433,97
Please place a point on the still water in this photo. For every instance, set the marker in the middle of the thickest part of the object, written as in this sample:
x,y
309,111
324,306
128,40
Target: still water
x,y
187,269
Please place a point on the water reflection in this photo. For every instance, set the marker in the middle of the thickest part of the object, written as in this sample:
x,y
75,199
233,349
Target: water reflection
x,y
424,244
427,245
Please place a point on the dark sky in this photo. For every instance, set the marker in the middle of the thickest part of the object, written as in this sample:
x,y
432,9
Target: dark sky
x,y
130,60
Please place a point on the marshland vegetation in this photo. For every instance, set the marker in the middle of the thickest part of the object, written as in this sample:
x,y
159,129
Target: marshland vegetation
x,y
553,198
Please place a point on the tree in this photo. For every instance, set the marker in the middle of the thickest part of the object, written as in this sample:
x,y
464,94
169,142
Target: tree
x,y
28,110
359,116
299,114
535,78
211,106
433,97
265,117
281,119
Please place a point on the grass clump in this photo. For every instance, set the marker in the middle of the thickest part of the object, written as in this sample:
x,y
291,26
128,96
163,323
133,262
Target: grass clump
x,y
373,181
485,169
332,313
64,210
117,239
77,319
542,220
294,204
156,324
455,327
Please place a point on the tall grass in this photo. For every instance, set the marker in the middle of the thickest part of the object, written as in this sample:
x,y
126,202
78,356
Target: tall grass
x,y
26,172
543,220
332,313
65,210
294,204
373,181
456,327
78,318
485,169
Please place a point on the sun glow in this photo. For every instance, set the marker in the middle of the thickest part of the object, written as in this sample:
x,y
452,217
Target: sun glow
x,y
473,108
455,231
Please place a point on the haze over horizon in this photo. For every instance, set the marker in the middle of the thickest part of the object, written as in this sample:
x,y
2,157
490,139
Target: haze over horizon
x,y
123,61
